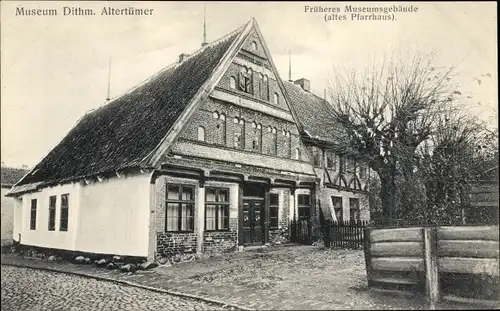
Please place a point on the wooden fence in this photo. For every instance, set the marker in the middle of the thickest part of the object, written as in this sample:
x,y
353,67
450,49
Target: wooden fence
x,y
344,234
440,262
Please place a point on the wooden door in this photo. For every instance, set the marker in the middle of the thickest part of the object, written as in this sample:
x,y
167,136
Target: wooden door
x,y
253,219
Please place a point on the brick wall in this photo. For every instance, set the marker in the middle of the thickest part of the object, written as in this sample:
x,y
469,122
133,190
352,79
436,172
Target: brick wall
x,y
222,241
221,132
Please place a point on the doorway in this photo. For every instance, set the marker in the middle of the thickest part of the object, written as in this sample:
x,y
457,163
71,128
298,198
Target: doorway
x,y
253,214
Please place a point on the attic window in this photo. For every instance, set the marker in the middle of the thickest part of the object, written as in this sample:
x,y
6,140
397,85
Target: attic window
x,y
236,120
216,115
201,133
232,83
276,98
254,45
222,117
297,154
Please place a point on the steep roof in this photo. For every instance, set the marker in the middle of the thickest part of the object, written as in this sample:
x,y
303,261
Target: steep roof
x,y
11,175
126,130
314,113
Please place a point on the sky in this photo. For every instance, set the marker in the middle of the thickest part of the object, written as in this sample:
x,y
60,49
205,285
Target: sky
x,y
55,68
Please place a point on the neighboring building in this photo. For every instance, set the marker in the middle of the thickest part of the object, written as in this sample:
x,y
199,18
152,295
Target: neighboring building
x,y
206,155
9,176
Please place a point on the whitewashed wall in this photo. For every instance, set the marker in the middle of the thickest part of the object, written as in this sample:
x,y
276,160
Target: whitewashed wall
x,y
110,217
114,216
42,236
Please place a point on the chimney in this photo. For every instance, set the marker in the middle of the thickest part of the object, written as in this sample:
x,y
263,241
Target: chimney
x,y
182,57
304,84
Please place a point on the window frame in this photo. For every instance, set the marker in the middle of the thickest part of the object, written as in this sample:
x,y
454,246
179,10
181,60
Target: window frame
x,y
217,204
304,206
240,127
52,213
355,208
341,208
33,211
179,201
66,209
274,214
202,132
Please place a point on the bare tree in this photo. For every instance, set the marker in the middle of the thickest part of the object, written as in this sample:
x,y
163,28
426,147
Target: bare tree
x,y
386,112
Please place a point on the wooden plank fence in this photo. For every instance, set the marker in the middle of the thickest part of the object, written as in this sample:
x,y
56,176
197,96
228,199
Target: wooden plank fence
x,y
440,262
344,234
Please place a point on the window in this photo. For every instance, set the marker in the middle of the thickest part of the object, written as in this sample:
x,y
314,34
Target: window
x,y
215,115
201,133
232,83
63,221
273,210
351,166
337,207
245,80
297,154
254,45
257,136
276,99
52,213
317,153
362,170
265,88
354,209
216,209
304,206
273,145
33,215
342,164
239,130
331,161
179,214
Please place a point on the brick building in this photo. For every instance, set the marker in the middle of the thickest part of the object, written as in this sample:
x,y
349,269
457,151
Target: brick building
x,y
213,152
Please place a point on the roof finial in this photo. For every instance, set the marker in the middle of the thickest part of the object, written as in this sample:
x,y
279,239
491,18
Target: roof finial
x,y
204,26
289,66
109,78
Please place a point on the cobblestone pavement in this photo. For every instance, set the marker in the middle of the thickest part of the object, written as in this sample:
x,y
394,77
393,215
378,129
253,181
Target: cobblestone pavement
x,y
29,290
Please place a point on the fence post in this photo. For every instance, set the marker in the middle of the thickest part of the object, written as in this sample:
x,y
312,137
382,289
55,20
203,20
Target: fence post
x,y
368,254
431,266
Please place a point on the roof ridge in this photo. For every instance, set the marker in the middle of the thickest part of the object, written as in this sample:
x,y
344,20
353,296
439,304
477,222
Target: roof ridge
x,y
168,67
306,92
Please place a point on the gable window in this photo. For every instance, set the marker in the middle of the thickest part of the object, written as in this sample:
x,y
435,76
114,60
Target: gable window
x,y
354,209
254,45
273,210
232,83
215,115
265,88
239,130
297,154
275,99
220,137
33,215
179,214
52,213
216,209
304,206
337,207
63,221
257,136
201,133
273,145
245,80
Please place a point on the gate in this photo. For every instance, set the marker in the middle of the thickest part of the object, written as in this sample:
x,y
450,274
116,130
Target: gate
x,y
344,234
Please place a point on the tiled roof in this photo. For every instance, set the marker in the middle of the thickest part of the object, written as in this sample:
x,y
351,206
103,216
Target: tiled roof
x,y
314,113
123,132
12,175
